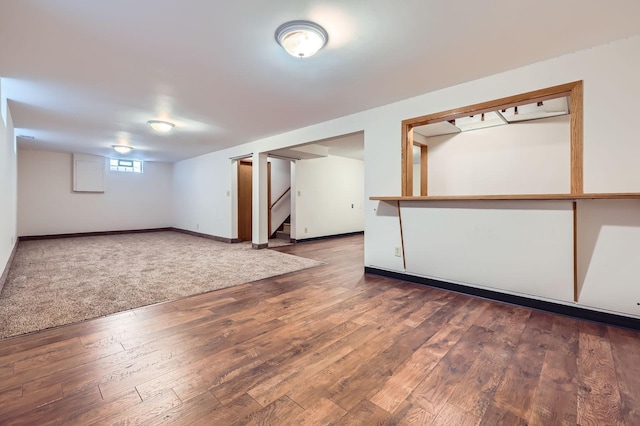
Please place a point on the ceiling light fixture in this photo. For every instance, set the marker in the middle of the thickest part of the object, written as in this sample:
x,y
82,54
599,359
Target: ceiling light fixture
x,y
122,149
160,126
301,38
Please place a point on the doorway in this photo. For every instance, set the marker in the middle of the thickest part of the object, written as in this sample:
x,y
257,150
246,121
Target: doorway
x,y
245,198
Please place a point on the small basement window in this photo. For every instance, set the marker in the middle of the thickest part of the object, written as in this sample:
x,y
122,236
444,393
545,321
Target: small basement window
x,y
116,165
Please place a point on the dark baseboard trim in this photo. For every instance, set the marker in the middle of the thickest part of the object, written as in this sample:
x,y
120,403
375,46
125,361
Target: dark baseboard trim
x,y
90,234
259,246
306,240
210,237
5,273
130,231
542,305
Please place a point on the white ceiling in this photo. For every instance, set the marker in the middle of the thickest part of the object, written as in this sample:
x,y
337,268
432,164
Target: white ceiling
x,y
84,75
349,146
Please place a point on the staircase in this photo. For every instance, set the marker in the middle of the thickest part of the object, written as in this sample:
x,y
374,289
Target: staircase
x,y
284,231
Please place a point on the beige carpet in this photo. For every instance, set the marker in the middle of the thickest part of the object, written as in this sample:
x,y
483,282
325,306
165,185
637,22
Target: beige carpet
x,y
61,281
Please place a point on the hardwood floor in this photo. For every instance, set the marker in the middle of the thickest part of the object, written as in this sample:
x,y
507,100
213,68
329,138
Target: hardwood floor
x,y
327,345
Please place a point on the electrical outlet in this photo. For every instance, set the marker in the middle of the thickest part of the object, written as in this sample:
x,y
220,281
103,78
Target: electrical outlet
x,y
197,226
305,230
398,252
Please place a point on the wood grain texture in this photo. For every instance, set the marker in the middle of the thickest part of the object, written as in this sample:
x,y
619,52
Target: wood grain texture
x,y
542,197
404,258
408,414
558,376
576,126
245,200
328,345
495,104
598,390
522,375
424,170
407,160
452,415
574,90
272,414
624,348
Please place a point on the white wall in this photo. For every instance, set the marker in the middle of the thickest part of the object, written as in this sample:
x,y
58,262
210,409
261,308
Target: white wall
x,y
330,195
532,157
47,205
611,91
8,190
280,177
202,188
280,182
609,254
492,243
201,185
604,234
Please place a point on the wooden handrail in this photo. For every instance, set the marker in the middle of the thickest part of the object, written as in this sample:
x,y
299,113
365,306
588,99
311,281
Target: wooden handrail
x,y
279,198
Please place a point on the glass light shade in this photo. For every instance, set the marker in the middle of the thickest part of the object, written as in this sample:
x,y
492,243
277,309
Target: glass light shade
x,y
160,126
301,38
122,149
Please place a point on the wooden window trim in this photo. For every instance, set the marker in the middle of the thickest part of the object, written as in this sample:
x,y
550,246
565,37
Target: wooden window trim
x,y
575,92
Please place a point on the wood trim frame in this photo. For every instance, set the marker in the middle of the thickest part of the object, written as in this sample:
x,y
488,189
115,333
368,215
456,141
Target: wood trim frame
x,y
424,167
407,159
404,258
574,90
566,197
577,143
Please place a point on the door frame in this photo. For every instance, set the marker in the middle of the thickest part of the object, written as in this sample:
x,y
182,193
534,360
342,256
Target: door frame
x,y
248,161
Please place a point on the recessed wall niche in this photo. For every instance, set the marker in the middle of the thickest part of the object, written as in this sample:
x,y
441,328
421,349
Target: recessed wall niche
x,y
529,143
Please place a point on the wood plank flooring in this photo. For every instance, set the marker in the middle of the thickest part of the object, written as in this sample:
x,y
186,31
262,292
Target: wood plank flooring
x,y
327,345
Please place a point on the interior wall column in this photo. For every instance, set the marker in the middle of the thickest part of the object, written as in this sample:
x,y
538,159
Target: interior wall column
x,y
233,195
260,211
294,199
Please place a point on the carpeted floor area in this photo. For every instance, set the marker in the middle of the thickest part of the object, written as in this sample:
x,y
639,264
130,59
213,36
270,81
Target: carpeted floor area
x,y
61,281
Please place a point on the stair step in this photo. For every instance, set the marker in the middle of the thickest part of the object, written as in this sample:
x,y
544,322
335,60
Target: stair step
x,y
281,235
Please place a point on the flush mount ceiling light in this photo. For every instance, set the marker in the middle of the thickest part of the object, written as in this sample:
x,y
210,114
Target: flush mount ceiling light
x,y
301,38
122,149
160,126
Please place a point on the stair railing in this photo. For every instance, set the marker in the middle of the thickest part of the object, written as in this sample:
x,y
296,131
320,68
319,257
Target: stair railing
x,y
273,204
280,198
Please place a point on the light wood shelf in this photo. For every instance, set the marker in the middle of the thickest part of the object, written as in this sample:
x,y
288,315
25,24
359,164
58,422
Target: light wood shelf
x,y
568,197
